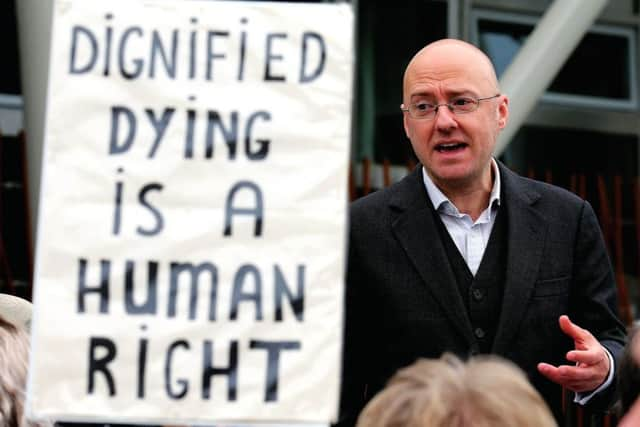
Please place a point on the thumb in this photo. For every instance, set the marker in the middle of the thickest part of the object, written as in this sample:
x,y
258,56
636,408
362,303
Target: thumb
x,y
571,329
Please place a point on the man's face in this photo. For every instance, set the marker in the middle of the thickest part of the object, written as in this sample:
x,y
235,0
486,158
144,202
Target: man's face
x,y
454,148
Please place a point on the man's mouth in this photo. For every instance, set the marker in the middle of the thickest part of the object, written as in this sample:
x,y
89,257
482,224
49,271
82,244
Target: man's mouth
x,y
453,146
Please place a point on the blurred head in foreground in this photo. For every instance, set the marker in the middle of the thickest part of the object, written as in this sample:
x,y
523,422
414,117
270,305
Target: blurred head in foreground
x,y
629,381
14,358
486,391
16,310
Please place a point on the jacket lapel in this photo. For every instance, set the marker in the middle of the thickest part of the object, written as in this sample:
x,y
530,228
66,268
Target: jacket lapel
x,y
526,235
414,227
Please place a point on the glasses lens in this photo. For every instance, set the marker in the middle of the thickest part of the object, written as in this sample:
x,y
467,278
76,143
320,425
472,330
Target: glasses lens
x,y
420,110
464,104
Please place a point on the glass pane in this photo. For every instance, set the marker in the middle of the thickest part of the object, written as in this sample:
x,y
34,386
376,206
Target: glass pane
x,y
396,31
13,214
599,67
10,70
501,41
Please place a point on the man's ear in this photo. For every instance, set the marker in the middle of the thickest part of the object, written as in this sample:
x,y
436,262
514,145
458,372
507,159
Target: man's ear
x,y
503,112
406,125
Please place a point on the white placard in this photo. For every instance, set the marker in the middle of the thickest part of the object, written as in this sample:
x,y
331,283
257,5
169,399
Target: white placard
x,y
190,253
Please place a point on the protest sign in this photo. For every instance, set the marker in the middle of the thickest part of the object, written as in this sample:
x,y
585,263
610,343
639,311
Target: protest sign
x,y
191,234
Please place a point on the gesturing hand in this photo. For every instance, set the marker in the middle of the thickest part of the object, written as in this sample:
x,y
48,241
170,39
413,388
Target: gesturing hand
x,y
592,363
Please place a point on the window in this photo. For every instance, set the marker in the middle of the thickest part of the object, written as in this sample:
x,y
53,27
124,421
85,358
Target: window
x,y
606,52
389,35
10,71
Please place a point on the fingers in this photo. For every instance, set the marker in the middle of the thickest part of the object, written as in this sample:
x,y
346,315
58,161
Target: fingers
x,y
591,369
591,361
587,357
575,378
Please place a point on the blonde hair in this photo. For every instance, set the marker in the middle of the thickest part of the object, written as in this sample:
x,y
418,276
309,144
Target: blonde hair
x,y
14,355
487,391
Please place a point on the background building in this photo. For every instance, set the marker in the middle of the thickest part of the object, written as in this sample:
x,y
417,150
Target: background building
x,y
582,133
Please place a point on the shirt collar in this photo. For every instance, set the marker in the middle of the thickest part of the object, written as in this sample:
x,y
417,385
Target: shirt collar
x,y
442,203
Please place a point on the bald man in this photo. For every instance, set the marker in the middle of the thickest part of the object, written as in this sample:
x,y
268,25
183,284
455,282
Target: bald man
x,y
465,256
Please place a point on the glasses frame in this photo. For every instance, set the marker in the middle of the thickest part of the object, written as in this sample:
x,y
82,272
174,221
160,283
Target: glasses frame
x,y
450,106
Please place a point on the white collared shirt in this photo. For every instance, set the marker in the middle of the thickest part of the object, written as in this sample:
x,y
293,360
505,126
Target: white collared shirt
x,y
471,238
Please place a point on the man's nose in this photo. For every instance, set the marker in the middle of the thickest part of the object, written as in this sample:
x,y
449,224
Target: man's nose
x,y
445,119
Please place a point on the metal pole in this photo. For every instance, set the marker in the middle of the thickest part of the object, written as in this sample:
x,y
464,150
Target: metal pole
x,y
541,57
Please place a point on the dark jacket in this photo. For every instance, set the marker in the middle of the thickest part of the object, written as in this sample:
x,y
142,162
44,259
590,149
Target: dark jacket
x,y
402,302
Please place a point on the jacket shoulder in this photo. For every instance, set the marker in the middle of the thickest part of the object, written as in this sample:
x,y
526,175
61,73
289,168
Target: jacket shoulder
x,y
540,192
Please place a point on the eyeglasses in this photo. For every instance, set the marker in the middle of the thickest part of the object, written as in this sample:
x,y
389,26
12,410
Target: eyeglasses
x,y
422,110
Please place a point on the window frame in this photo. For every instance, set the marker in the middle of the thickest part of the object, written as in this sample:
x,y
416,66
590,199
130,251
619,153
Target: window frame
x,y
11,102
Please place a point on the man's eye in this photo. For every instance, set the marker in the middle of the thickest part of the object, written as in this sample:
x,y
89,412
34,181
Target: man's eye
x,y
423,106
462,101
